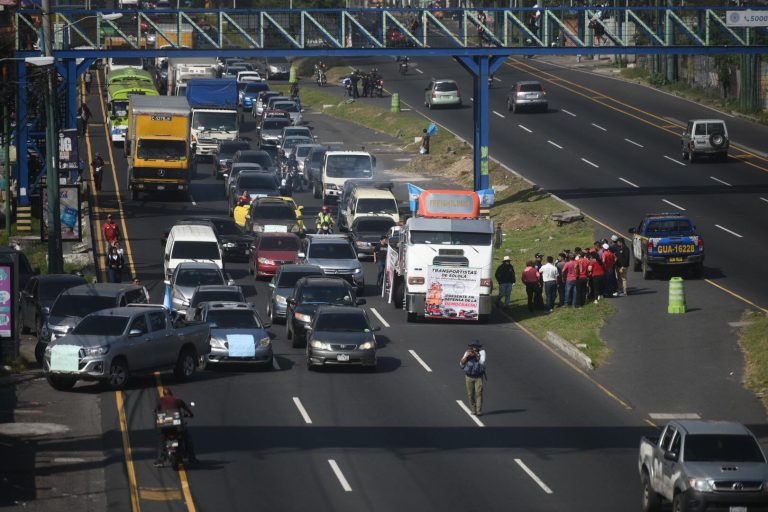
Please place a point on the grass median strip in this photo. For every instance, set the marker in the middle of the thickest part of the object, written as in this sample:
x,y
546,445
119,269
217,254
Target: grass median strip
x,y
754,342
524,211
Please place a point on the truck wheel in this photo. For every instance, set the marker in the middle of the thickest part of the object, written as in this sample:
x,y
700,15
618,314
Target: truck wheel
x,y
118,374
399,294
186,365
647,272
316,192
691,157
651,500
61,383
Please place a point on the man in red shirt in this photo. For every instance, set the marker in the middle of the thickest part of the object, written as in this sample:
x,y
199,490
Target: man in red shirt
x,y
168,402
581,280
531,279
609,264
570,272
111,231
596,273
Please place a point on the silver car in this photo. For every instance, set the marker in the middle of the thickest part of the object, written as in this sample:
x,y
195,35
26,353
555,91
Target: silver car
x,y
237,334
336,256
527,94
342,336
187,276
282,287
277,67
293,109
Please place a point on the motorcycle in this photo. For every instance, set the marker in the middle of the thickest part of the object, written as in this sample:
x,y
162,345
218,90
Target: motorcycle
x,y
173,427
320,78
325,229
378,87
404,66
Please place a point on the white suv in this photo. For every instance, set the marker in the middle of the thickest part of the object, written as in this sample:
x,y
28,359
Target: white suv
x,y
705,137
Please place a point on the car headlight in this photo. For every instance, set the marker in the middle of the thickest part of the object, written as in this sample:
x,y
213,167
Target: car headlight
x,y
217,343
97,351
357,271
368,345
331,186
702,484
230,245
321,345
281,300
264,342
266,261
301,317
362,245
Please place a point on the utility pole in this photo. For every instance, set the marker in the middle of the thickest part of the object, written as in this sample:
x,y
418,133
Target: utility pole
x,y
55,263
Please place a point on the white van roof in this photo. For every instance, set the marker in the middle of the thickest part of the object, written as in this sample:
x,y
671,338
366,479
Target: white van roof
x,y
373,193
193,233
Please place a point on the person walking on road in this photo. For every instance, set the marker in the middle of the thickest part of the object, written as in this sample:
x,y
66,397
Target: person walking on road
x,y
549,276
88,80
473,364
622,265
111,231
505,276
380,258
84,115
424,149
97,170
531,280
115,263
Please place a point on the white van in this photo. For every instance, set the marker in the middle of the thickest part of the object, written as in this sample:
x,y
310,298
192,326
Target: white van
x,y
366,202
340,166
191,243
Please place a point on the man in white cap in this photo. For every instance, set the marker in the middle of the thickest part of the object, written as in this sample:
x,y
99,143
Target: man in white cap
x,y
505,275
473,364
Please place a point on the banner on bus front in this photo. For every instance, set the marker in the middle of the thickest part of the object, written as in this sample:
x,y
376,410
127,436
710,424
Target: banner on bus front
x,y
453,293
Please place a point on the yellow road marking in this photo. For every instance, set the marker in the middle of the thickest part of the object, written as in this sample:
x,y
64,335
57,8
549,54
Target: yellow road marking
x,y
545,75
95,209
123,226
135,506
651,423
163,494
182,472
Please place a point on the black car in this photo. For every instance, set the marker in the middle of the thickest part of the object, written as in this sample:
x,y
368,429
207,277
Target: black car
x,y
222,160
342,336
38,297
256,183
254,156
308,295
366,233
235,243
313,163
282,286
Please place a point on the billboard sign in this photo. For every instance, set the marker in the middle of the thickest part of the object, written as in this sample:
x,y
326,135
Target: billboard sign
x,y
748,18
453,293
71,214
6,300
449,203
68,157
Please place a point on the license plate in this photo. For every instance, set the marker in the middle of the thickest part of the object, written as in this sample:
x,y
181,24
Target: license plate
x,y
737,509
342,357
161,187
531,96
675,260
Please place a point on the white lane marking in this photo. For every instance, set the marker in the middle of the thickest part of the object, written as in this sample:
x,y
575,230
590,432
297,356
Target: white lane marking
x,y
403,109
501,116
675,160
193,200
764,199
533,476
569,113
629,183
558,146
497,79
420,360
721,181
302,410
381,318
728,231
337,471
419,71
673,204
674,416
590,163
275,364
334,143
469,413
524,128
635,143
68,460
599,127
402,159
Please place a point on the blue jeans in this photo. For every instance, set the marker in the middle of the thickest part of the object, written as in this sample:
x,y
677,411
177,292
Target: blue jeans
x,y
570,293
505,289
550,289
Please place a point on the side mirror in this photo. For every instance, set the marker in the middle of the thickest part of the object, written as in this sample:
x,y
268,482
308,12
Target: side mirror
x,y
266,325
230,282
360,302
670,456
308,329
167,282
133,333
271,285
225,175
301,255
291,301
632,230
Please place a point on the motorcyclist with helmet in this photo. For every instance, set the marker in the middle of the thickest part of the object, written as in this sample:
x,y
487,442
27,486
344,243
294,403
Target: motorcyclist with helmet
x,y
167,402
324,217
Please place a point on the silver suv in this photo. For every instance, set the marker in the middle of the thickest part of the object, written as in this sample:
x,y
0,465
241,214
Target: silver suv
x,y
705,137
527,94
336,256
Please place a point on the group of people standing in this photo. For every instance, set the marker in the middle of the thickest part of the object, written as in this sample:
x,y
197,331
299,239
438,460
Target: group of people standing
x,y
576,278
359,78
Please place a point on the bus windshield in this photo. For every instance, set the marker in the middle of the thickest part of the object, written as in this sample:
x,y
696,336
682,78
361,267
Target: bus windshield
x,y
455,238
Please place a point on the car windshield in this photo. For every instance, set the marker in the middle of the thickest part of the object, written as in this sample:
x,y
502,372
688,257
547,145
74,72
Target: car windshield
x,y
456,238
446,86
722,448
273,212
279,243
352,322
232,319
297,131
529,88
256,182
303,151
195,250
51,290
198,277
288,106
375,225
289,279
81,305
256,87
349,166
290,142
161,149
332,251
669,227
275,123
223,121
271,151
261,158
325,295
227,149
102,325
376,206
217,296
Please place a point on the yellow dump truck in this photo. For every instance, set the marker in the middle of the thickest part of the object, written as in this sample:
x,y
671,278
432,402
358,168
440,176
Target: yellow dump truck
x,y
157,146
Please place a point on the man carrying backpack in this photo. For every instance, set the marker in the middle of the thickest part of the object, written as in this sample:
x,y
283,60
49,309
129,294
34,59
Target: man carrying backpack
x,y
473,364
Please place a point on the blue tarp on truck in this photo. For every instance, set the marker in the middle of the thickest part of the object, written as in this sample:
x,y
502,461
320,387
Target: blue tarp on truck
x,y
212,93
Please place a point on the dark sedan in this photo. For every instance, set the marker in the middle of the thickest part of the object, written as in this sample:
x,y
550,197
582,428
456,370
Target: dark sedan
x,y
38,297
222,160
366,233
341,335
309,294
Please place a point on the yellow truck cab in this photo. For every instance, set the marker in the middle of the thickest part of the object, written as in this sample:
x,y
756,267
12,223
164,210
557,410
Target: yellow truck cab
x,y
157,145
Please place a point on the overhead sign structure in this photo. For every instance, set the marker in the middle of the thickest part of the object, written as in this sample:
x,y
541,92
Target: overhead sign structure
x,y
748,18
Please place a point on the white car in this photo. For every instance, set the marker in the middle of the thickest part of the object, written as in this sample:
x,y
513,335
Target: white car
x,y
249,76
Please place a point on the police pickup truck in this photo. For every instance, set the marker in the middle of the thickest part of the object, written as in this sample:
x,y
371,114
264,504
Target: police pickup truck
x,y
667,240
701,466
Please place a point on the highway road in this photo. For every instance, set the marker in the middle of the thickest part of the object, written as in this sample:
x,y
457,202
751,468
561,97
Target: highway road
x,y
612,148
551,439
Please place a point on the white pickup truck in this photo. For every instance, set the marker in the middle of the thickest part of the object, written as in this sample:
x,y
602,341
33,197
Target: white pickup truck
x,y
703,466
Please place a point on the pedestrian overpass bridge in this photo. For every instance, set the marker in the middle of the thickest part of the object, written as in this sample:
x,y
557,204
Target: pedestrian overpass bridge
x,y
478,40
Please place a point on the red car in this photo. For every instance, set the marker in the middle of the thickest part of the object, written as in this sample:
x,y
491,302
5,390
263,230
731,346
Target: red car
x,y
270,250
